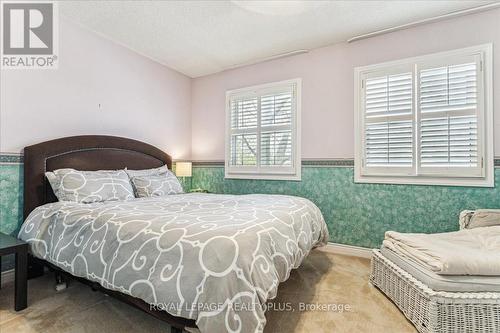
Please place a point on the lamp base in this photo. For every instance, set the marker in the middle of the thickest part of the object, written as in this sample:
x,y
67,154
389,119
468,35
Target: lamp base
x,y
198,190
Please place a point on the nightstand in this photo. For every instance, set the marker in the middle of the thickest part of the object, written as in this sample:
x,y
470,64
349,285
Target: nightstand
x,y
12,245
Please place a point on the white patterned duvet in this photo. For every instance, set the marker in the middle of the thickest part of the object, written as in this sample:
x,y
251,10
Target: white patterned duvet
x,y
213,258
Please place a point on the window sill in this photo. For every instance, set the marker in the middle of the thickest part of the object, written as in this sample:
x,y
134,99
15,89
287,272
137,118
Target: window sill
x,y
296,177
436,181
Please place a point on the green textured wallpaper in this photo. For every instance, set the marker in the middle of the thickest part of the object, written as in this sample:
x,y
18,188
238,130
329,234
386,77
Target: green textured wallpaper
x,y
11,182
10,204
359,214
356,214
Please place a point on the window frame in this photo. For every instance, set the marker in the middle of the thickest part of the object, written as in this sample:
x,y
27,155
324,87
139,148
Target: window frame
x,y
269,172
432,176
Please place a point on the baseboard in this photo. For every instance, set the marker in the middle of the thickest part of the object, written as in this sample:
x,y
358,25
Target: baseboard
x,y
7,276
348,250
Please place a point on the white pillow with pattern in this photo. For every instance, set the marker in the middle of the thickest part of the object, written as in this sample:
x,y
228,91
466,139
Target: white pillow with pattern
x,y
156,186
148,172
90,186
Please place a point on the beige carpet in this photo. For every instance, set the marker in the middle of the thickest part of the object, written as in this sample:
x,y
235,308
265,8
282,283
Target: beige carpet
x,y
324,279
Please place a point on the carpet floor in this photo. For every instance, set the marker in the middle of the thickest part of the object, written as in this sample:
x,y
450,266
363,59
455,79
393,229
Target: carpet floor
x,y
328,293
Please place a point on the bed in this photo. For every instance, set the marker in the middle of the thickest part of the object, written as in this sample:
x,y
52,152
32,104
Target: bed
x,y
201,261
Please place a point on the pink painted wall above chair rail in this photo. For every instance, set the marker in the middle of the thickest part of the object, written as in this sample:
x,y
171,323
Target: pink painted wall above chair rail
x,y
104,88
327,83
100,87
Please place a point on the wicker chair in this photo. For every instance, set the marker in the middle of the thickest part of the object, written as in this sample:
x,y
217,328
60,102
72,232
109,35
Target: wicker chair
x,y
436,311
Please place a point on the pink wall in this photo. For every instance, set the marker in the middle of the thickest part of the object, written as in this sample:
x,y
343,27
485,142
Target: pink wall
x,y
327,83
139,98
150,102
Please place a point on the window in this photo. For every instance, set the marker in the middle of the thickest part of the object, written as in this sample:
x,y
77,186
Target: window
x,y
263,131
426,120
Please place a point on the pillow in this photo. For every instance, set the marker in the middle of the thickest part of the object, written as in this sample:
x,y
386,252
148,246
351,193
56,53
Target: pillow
x,y
90,186
480,218
147,172
156,186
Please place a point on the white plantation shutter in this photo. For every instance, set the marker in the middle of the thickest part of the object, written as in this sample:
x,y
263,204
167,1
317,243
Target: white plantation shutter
x,y
389,95
426,118
449,141
262,134
276,148
276,131
244,131
244,113
389,143
276,109
243,149
388,119
448,88
448,103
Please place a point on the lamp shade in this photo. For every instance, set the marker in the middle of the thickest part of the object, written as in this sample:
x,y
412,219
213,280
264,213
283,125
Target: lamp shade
x,y
183,169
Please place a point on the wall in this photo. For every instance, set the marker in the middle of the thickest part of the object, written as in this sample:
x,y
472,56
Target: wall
x,y
138,97
146,101
359,214
356,214
327,83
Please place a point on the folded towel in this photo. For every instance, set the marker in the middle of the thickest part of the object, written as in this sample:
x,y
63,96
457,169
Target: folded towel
x,y
465,252
470,219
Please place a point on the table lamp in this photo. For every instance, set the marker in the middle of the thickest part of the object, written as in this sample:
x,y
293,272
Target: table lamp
x,y
183,169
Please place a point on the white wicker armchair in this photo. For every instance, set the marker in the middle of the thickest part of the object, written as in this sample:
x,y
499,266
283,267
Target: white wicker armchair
x,y
438,311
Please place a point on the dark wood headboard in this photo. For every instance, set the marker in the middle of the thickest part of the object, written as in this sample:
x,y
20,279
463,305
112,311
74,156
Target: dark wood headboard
x,y
86,152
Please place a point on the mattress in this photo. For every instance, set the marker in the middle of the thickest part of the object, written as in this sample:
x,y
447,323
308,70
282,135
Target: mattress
x,y
451,283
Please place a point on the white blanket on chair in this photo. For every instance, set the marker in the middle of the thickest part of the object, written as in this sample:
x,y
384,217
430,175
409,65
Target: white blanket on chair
x,y
465,252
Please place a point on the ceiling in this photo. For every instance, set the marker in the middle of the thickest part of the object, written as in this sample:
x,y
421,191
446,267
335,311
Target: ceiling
x,y
203,37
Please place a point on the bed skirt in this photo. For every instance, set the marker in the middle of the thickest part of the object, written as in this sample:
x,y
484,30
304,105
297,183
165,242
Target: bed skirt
x,y
435,311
